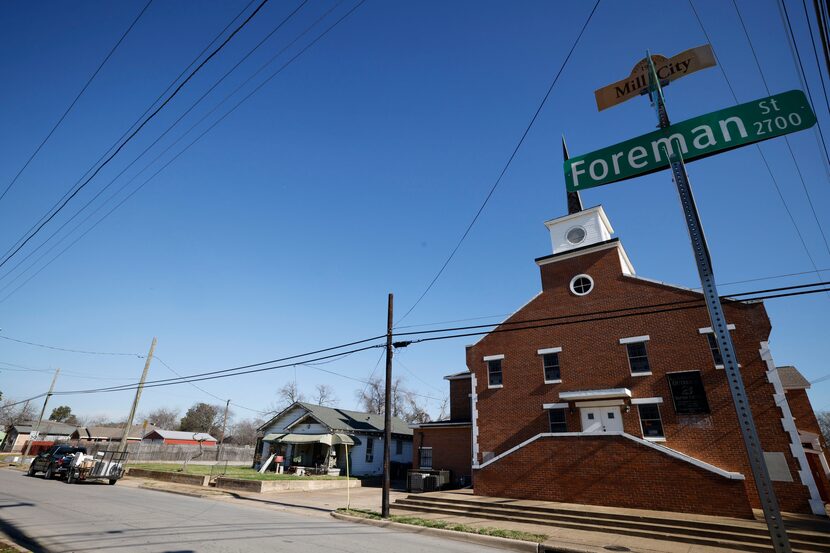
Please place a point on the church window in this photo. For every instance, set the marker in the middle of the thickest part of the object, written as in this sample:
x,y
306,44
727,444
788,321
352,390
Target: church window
x,y
581,285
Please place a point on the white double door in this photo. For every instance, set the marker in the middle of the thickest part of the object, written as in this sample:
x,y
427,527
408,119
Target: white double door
x,y
601,419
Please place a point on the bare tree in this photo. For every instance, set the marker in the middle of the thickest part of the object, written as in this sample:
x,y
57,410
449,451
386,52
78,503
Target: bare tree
x,y
444,409
824,423
288,394
11,414
405,404
163,417
244,432
324,395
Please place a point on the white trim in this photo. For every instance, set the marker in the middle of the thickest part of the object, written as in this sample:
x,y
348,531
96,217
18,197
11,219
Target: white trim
x,y
595,394
663,449
554,406
581,294
655,439
548,350
788,422
649,373
646,400
708,329
635,339
494,386
557,381
596,209
474,406
493,357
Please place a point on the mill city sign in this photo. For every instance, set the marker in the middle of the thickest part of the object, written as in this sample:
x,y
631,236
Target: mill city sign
x,y
695,138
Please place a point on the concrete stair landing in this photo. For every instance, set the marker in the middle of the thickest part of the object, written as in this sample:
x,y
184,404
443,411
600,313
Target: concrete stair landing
x,y
807,534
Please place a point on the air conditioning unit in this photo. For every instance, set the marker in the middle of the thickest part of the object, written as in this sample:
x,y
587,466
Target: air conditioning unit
x,y
416,482
430,482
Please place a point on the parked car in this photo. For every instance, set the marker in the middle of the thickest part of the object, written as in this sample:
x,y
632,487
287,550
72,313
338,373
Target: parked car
x,y
54,462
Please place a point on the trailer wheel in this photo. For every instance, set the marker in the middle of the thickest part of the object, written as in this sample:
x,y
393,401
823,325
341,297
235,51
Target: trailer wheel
x,y
113,481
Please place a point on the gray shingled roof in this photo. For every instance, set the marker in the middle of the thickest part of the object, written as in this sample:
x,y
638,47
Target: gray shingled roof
x,y
46,427
343,420
791,379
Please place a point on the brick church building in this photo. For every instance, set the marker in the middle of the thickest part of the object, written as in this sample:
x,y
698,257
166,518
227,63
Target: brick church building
x,y
618,396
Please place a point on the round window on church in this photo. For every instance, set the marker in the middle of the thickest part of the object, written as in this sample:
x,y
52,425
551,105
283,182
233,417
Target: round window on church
x,y
581,285
575,235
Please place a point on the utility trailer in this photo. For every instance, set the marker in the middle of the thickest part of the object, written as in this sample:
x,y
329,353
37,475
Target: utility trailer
x,y
104,465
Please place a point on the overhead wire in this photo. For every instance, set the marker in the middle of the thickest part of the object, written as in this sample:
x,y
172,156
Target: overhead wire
x,y
815,54
186,148
140,117
87,352
132,135
146,149
506,165
757,146
75,100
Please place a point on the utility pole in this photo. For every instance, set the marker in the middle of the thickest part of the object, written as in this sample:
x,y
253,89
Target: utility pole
x,y
763,483
123,445
224,425
42,412
387,413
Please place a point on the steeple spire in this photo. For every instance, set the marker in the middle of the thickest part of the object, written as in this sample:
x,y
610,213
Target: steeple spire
x,y
574,201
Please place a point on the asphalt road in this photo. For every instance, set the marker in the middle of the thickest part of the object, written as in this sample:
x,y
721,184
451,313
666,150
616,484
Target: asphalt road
x,y
52,516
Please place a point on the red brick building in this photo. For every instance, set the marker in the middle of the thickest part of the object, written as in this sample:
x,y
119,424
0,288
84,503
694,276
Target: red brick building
x,y
447,444
628,406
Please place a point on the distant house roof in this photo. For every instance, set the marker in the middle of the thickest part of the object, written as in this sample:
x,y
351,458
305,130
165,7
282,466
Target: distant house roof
x,y
459,376
791,379
46,427
180,435
110,432
343,420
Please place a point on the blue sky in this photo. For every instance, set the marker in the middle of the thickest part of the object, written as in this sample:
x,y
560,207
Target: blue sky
x,y
354,172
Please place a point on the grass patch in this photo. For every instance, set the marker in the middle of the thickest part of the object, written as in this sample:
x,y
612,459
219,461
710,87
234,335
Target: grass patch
x,y
443,525
244,473
7,549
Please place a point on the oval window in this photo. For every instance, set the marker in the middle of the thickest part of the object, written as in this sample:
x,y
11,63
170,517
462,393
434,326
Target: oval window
x,y
575,235
582,285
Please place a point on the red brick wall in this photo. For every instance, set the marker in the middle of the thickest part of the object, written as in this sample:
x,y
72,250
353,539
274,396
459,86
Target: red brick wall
x,y
593,358
805,417
610,470
460,399
451,448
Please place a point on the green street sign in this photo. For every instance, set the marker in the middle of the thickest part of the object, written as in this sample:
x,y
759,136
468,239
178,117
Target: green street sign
x,y
696,138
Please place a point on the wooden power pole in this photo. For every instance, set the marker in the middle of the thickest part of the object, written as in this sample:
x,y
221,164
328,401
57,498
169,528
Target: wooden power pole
x,y
224,426
387,413
42,412
123,445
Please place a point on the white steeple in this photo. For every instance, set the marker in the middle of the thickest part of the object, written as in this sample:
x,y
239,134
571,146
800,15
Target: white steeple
x,y
577,230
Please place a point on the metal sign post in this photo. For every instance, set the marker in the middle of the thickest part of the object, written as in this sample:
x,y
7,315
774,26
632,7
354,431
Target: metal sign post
x,y
763,484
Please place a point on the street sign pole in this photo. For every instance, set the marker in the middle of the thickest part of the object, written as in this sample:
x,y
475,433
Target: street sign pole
x,y
766,493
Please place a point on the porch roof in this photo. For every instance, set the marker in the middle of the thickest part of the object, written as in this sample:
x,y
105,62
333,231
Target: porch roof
x,y
587,395
327,439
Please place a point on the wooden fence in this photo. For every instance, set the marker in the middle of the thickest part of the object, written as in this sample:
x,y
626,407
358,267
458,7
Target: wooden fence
x,y
148,453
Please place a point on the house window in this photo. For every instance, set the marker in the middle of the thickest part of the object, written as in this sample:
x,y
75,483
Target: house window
x,y
638,358
713,345
398,447
556,419
650,421
425,457
370,450
494,372
550,363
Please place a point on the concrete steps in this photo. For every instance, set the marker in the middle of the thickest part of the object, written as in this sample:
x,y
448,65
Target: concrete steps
x,y
805,536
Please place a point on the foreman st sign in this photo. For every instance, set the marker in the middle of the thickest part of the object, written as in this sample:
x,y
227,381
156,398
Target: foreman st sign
x,y
696,138
668,69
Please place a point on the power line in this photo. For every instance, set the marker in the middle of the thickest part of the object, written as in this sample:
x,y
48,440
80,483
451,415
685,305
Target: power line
x,y
70,350
815,54
6,406
140,117
757,146
130,137
506,166
77,97
148,148
194,141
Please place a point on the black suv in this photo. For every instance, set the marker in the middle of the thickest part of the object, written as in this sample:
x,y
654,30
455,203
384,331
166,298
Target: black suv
x,y
53,462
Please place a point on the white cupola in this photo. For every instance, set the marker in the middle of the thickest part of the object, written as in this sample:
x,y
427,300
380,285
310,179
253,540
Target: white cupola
x,y
578,230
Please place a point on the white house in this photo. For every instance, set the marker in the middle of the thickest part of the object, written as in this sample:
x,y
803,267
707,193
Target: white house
x,y
310,435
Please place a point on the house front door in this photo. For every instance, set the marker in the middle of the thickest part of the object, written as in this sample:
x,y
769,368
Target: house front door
x,y
601,419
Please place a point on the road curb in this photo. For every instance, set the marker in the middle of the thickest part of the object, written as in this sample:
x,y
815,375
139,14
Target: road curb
x,y
490,541
177,492
6,542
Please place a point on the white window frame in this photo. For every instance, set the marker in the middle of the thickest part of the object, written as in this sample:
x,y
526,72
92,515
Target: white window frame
x,y
499,357
710,330
541,353
650,401
636,340
573,280
370,451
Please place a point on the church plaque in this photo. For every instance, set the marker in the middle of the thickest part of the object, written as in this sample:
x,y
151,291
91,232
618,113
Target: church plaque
x,y
688,393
